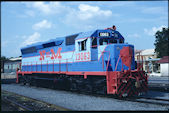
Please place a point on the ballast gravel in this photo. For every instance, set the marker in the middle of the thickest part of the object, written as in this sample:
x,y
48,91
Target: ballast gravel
x,y
78,102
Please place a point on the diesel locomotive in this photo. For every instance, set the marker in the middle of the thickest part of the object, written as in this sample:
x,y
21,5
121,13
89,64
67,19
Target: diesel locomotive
x,y
96,61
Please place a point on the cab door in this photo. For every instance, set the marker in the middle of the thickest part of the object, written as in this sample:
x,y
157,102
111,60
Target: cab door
x,y
82,50
94,49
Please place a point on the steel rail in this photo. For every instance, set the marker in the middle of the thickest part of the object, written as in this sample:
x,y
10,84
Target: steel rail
x,y
25,108
136,99
149,101
59,108
158,99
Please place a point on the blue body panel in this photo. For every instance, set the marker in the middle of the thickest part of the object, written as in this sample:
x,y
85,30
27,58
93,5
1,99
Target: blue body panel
x,y
96,64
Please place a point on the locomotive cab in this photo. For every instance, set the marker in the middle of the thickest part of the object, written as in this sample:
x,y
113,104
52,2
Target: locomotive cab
x,y
110,47
90,48
110,37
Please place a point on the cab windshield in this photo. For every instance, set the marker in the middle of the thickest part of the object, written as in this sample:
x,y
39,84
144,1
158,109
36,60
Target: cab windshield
x,y
105,41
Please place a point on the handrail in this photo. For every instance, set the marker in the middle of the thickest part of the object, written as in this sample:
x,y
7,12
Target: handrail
x,y
108,61
117,62
47,65
139,65
66,66
59,66
41,66
31,66
103,60
53,65
36,66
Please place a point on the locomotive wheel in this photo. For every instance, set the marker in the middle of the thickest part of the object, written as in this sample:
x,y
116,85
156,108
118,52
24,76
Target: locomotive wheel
x,y
104,90
73,87
33,82
22,81
28,81
67,84
88,88
54,86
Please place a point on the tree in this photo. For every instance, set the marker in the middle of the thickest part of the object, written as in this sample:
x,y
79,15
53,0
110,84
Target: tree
x,y
162,43
3,59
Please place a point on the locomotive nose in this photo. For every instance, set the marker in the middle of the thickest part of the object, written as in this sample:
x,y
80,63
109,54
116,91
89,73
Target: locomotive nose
x,y
126,56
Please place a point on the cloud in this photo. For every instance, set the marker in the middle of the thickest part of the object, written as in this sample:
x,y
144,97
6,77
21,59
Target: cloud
x,y
44,24
154,10
86,12
76,16
31,39
42,7
153,30
109,4
45,7
133,35
30,13
86,17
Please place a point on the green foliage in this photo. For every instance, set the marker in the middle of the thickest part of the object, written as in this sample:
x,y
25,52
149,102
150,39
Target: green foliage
x,y
3,58
162,43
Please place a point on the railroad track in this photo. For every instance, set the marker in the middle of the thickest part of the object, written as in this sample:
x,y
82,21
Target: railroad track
x,y
147,100
142,99
18,105
23,103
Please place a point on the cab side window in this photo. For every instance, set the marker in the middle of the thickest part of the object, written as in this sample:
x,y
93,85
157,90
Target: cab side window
x,y
103,41
94,42
82,45
111,41
121,41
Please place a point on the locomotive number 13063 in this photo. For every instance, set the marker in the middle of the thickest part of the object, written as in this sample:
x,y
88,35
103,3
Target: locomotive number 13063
x,y
104,34
83,56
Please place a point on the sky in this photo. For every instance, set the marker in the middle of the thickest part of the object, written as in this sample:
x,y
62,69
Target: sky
x,y
24,23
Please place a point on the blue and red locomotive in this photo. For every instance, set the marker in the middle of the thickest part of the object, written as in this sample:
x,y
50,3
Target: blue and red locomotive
x,y
94,61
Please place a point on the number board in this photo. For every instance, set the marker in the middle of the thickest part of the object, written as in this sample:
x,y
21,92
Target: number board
x,y
104,34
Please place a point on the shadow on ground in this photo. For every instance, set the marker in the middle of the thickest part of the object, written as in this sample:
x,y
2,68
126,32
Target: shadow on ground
x,y
8,81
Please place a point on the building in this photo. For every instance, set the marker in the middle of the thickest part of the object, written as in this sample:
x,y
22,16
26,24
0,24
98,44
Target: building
x,y
150,59
147,54
11,65
164,66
